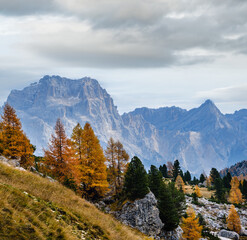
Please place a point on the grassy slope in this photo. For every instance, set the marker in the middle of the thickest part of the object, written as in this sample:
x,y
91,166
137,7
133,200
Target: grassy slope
x,y
31,207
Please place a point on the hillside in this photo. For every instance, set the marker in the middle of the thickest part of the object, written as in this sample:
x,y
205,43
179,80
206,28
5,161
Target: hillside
x,y
237,169
32,207
200,138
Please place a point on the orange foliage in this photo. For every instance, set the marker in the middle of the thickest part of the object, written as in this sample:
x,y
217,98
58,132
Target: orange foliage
x,y
179,183
190,225
235,195
233,220
59,157
14,143
197,191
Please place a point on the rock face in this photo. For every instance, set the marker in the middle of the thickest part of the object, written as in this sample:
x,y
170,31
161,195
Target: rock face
x,y
142,214
228,234
200,138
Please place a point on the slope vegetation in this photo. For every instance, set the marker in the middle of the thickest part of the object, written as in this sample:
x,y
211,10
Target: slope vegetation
x,y
32,207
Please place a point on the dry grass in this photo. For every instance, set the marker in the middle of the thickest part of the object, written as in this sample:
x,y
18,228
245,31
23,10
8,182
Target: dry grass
x,y
204,191
51,211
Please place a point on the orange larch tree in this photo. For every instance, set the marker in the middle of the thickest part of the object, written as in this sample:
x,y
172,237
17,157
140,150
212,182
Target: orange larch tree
x,y
117,159
92,168
190,226
76,139
197,191
60,157
233,220
235,195
14,143
179,183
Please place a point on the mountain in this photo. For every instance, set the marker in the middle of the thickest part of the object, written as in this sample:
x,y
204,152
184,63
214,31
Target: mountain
x,y
35,208
237,169
200,138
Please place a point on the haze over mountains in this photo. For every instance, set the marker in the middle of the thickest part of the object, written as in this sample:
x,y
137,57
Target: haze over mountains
x,y
200,138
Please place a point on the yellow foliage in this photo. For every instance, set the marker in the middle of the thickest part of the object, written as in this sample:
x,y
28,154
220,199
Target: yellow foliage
x,y
190,226
235,195
197,191
179,183
208,182
233,220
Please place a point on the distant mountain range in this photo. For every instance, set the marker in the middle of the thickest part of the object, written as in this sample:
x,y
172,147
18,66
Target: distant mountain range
x,y
200,138
238,169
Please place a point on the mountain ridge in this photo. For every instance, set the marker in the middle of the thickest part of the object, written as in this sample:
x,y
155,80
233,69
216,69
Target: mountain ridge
x,y
200,138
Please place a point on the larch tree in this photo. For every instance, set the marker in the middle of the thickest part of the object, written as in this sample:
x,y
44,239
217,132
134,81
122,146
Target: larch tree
x,y
190,226
179,183
117,159
76,140
233,220
60,157
14,142
235,195
92,169
197,191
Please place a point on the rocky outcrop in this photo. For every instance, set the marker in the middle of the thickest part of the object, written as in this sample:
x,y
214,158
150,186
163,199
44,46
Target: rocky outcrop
x,y
172,235
142,214
228,234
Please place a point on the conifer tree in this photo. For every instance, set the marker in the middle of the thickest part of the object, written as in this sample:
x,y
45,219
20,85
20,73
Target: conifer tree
x,y
190,226
179,183
14,143
154,180
76,139
235,195
233,220
136,180
208,182
214,174
59,157
176,170
202,178
197,191
92,168
244,192
219,190
227,180
163,170
117,159
187,176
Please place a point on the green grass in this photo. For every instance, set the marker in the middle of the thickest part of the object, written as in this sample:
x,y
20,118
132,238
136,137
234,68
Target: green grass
x,y
32,207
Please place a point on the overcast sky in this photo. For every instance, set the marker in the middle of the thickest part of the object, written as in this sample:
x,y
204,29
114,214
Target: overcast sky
x,y
144,52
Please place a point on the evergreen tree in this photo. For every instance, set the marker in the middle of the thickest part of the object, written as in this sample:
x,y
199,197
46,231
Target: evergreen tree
x,y
163,170
13,141
227,181
233,220
76,139
176,170
244,189
202,178
214,174
235,195
219,190
59,157
117,159
136,180
92,168
154,180
187,176
191,227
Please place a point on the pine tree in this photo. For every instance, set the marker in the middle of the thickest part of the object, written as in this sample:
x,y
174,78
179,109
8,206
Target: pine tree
x,y
179,183
244,189
117,159
136,180
202,178
227,181
14,143
154,180
235,195
59,157
92,168
187,176
190,226
219,190
176,170
214,174
197,191
233,220
163,170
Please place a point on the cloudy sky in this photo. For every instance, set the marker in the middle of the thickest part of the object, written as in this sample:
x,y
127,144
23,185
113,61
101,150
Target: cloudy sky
x,y
144,52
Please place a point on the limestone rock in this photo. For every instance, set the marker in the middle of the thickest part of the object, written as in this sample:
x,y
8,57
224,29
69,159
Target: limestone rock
x,y
142,214
228,234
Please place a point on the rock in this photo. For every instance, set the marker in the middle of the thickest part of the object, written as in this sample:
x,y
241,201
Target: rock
x,y
228,234
221,214
142,214
243,232
172,235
